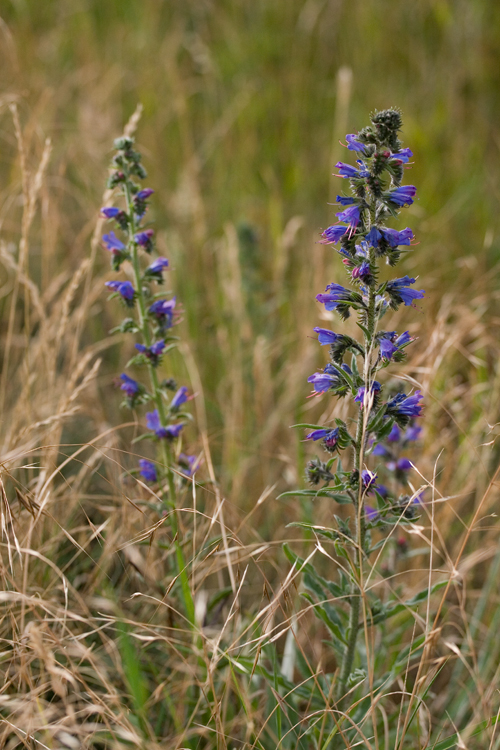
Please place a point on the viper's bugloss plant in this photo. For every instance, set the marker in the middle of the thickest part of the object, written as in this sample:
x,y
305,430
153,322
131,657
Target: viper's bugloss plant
x,y
151,317
385,419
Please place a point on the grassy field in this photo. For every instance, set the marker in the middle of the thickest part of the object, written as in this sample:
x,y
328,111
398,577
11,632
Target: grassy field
x,y
243,106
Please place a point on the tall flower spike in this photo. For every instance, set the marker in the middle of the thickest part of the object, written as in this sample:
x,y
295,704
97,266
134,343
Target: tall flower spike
x,y
365,238
153,320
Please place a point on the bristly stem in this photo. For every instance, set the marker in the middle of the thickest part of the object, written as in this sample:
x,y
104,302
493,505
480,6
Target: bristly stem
x,y
359,516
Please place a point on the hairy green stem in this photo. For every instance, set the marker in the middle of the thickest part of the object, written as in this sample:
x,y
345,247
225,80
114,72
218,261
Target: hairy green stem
x,y
360,519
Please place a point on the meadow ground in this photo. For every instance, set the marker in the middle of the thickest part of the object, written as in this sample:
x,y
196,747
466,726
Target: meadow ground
x,y
243,105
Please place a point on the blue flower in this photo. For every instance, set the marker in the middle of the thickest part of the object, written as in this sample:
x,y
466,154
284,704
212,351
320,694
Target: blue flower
x,y
147,470
371,513
327,337
153,423
406,406
130,386
346,170
394,435
329,437
380,450
163,311
155,270
145,239
363,250
143,194
112,243
350,216
387,348
345,201
403,196
360,396
124,289
323,381
179,398
368,478
400,293
157,266
189,464
390,343
413,433
154,352
361,272
333,234
353,144
337,295
395,238
109,212
404,155
373,237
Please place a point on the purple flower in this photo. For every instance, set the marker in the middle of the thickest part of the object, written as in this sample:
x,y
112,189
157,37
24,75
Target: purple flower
x,y
350,216
337,294
157,266
404,155
380,450
404,464
145,239
144,194
398,290
389,343
382,490
153,423
403,196
346,170
163,311
329,437
353,144
395,238
333,234
124,289
112,243
360,396
407,406
110,212
371,513
345,201
403,339
361,272
189,464
130,386
368,478
179,398
387,348
373,237
154,352
327,337
413,433
394,435
323,381
147,470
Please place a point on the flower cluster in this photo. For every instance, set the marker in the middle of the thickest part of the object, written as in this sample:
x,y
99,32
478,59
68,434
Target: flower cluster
x,y
155,315
384,425
363,239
